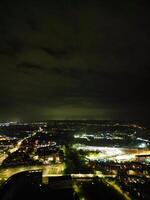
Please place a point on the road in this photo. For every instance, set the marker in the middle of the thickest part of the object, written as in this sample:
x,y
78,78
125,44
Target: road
x,y
56,169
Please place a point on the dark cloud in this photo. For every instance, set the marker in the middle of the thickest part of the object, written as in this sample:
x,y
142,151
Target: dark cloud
x,y
74,59
28,66
10,47
58,53
33,25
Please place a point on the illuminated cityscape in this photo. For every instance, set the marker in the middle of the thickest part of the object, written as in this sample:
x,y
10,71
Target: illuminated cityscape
x,y
116,153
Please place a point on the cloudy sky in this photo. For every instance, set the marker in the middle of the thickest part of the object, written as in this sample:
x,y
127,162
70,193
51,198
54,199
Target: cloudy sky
x,y
74,59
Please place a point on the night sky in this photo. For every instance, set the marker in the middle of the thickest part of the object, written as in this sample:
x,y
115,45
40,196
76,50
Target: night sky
x,y
74,59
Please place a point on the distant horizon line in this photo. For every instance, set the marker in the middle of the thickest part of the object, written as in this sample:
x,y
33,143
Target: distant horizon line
x,y
45,120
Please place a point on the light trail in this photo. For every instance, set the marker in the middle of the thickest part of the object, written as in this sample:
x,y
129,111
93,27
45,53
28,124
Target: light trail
x,y
118,189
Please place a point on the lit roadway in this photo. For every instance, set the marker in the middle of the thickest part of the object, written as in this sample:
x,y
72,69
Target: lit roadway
x,y
4,155
5,173
11,150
